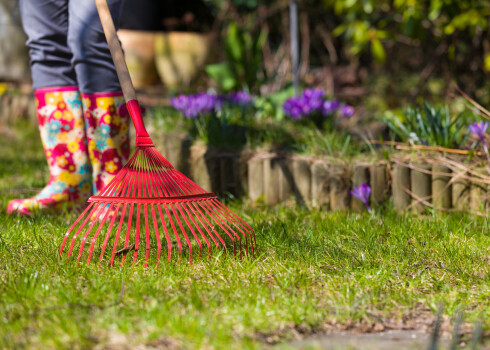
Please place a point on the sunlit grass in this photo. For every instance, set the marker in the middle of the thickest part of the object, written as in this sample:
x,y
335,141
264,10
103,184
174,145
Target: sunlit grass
x,y
311,268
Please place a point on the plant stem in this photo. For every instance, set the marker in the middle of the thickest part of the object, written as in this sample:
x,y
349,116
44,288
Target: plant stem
x,y
293,25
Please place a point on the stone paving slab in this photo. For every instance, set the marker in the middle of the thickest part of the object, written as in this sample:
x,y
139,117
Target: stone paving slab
x,y
389,340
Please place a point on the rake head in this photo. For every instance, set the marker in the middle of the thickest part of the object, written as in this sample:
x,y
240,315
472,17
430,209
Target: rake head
x,y
149,198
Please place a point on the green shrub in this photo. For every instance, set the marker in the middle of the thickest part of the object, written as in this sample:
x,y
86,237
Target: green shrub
x,y
428,125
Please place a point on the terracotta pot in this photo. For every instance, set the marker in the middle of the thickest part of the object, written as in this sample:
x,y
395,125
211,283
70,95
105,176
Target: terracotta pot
x,y
139,51
180,56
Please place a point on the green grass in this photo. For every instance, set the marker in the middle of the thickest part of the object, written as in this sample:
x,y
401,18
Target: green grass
x,y
311,269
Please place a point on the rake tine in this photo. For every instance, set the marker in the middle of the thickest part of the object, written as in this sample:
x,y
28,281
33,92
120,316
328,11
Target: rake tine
x,y
224,222
219,223
147,192
167,237
239,220
113,185
160,182
222,208
183,232
174,229
125,190
137,238
139,179
227,219
147,232
190,227
109,229
73,226
159,174
101,224
157,234
198,228
156,188
208,225
126,241
92,224
168,185
92,212
117,235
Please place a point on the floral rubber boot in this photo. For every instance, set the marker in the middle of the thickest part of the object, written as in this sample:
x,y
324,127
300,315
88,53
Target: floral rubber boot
x,y
61,125
107,129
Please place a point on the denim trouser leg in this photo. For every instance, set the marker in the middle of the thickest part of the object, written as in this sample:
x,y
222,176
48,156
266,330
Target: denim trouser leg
x,y
45,23
67,46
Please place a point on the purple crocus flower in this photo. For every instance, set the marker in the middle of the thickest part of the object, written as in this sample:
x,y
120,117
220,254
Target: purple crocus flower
x,y
185,104
479,129
311,102
313,98
330,106
240,98
293,107
205,102
180,102
194,105
346,110
362,193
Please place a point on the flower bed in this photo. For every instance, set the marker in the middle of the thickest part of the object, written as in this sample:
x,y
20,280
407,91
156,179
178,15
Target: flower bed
x,y
234,145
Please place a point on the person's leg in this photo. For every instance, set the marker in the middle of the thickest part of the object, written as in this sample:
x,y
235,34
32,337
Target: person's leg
x,y
108,135
59,108
107,129
61,125
45,23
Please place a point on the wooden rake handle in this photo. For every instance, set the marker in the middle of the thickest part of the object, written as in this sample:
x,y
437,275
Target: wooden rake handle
x,y
142,137
116,50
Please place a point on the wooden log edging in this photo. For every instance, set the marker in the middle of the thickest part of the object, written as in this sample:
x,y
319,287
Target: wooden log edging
x,y
401,187
320,186
380,182
421,184
360,175
418,185
441,186
415,185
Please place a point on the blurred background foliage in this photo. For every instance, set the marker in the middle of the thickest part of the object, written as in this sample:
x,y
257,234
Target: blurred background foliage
x,y
378,56
383,53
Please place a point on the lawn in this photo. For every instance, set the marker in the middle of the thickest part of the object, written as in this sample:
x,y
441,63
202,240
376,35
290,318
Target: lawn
x,y
313,271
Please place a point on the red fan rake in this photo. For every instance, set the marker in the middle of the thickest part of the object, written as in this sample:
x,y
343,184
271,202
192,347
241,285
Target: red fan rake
x,y
149,198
